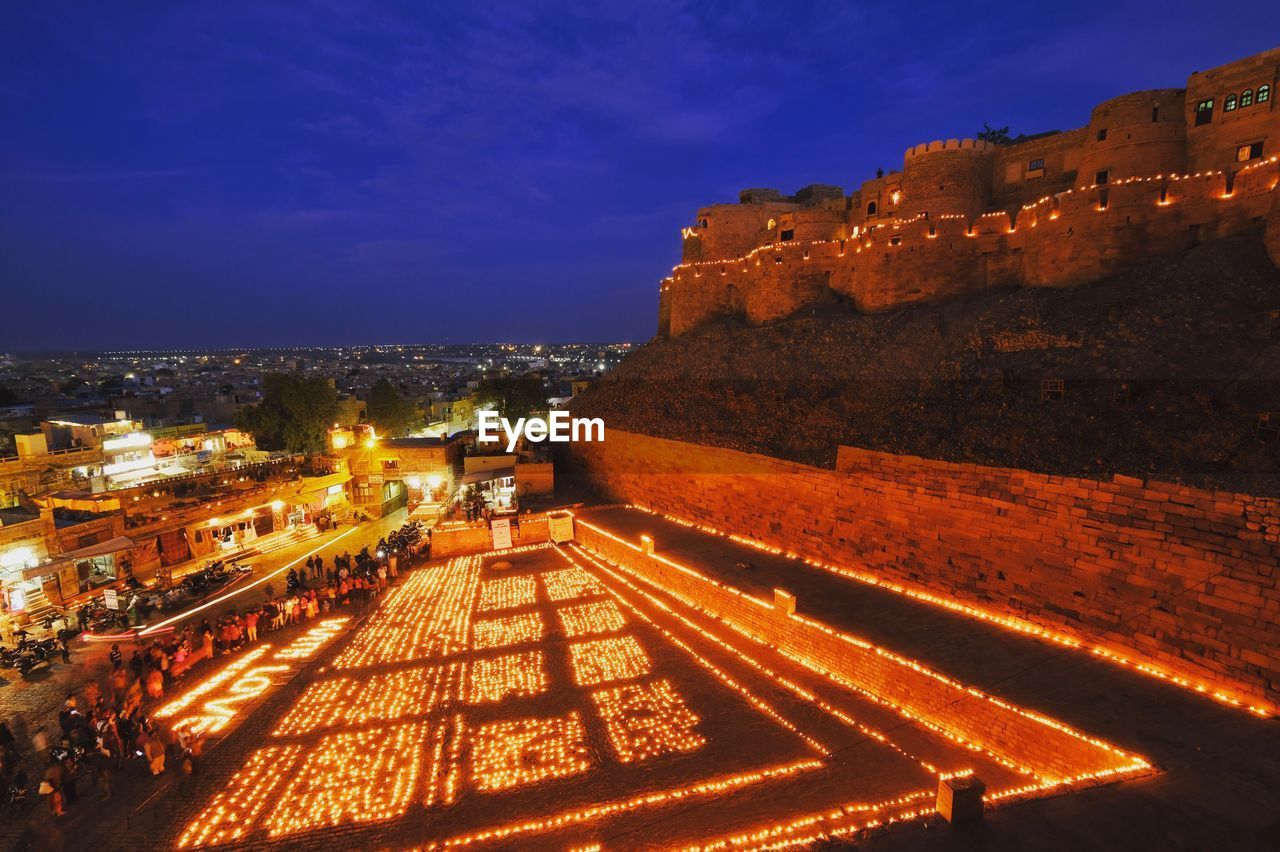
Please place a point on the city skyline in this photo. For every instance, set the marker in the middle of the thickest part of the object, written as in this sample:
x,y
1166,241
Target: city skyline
x,y
379,174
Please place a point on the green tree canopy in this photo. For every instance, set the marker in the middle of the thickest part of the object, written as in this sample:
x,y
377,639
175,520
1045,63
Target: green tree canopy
x,y
392,415
294,415
512,397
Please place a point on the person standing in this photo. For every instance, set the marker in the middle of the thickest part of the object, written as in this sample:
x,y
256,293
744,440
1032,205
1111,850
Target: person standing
x,y
51,786
117,658
63,647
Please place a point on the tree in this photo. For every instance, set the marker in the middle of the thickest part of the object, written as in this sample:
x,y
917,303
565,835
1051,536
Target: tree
x,y
994,135
512,397
391,414
294,415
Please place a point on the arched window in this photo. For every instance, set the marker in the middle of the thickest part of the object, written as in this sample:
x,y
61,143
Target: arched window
x,y
1246,97
871,209
1264,92
1230,103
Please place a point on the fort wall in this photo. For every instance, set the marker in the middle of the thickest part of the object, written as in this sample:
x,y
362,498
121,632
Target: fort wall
x,y
1073,237
1178,578
1152,173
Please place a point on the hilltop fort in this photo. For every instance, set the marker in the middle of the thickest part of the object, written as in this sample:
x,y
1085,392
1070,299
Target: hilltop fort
x,y
1151,174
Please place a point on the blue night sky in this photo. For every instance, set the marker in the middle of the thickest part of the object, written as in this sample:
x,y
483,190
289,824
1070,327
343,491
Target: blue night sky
x,y
288,173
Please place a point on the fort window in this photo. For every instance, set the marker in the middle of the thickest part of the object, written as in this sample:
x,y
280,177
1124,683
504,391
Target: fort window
x,y
871,209
1204,112
1102,176
789,234
1229,104
1245,153
1246,97
1102,134
1036,164
1264,93
1155,113
1052,389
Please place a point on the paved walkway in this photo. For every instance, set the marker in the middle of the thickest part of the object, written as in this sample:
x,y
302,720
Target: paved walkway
x,y
31,704
1220,787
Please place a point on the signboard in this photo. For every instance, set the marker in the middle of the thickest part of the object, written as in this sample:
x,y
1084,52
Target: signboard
x,y
69,580
501,531
561,528
111,599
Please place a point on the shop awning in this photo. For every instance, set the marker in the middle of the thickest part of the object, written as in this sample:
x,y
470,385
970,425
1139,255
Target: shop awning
x,y
102,548
314,489
487,475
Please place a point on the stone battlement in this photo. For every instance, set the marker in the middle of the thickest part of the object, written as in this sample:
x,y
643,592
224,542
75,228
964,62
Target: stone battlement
x,y
1152,173
978,146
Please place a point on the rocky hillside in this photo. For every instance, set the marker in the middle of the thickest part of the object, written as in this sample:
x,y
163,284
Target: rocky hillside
x,y
1159,372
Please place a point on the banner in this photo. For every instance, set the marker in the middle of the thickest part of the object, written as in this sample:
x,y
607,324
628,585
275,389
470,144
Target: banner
x,y
501,530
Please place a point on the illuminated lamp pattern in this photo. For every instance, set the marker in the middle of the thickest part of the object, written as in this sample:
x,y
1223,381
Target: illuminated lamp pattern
x,y
498,678
352,777
347,701
516,752
207,686
647,720
719,673
592,617
658,798
427,616
602,660
235,808
240,682
508,593
309,644
1134,765
507,630
569,583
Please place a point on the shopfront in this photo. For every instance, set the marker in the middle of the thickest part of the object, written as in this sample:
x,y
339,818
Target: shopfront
x,y
15,559
83,570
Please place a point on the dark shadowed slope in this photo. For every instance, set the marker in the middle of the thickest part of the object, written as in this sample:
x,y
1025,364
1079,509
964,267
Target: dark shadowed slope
x,y
1193,338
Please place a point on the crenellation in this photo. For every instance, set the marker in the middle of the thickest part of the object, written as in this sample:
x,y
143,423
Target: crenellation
x,y
1148,176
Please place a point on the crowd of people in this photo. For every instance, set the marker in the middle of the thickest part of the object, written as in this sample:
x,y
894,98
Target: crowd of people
x,y
108,725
